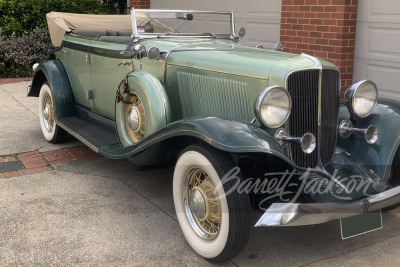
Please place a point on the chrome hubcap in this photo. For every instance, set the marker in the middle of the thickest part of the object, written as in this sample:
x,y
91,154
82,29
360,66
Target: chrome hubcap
x,y
198,204
133,119
48,113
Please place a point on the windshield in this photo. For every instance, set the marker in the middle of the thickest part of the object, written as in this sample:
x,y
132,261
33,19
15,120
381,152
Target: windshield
x,y
182,23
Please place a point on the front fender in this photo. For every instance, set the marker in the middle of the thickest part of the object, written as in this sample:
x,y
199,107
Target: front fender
x,y
379,156
54,73
223,134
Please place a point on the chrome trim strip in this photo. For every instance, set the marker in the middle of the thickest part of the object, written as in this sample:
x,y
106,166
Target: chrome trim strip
x,y
295,214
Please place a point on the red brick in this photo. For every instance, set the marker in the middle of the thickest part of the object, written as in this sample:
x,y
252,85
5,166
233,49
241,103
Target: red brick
x,y
310,28
324,2
303,33
329,35
304,21
297,27
2,159
10,159
330,9
316,34
292,8
305,8
309,40
324,15
60,161
23,172
310,15
329,22
50,158
302,46
287,2
11,174
317,9
2,175
27,154
311,2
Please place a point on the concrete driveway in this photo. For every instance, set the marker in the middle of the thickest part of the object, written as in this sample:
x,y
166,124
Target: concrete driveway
x,y
79,209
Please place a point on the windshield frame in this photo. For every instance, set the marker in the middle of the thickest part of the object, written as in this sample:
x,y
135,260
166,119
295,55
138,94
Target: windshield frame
x,y
137,36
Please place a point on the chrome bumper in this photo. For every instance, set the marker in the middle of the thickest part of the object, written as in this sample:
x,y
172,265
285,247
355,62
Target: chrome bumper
x,y
294,214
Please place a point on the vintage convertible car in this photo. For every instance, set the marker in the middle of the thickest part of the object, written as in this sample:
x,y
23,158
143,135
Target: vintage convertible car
x,y
248,129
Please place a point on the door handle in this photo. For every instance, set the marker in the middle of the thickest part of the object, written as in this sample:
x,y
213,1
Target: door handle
x,y
125,63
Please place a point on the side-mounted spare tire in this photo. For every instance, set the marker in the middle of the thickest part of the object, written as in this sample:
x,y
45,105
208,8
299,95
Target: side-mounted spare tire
x,y
142,107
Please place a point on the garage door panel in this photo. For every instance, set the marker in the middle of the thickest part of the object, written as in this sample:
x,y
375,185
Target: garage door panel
x,y
386,76
260,18
379,11
383,44
377,51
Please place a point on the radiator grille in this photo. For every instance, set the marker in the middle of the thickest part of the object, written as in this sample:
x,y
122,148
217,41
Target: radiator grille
x,y
303,88
330,98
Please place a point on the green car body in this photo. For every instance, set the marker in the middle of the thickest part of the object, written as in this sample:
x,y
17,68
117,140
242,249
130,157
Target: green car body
x,y
204,90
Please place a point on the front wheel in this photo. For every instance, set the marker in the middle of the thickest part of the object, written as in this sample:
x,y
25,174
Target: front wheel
x,y
214,217
51,131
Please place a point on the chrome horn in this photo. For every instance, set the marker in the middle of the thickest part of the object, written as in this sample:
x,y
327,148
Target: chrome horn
x,y
307,142
370,134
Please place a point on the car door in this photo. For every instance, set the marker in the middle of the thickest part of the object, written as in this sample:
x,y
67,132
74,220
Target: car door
x,y
109,64
75,58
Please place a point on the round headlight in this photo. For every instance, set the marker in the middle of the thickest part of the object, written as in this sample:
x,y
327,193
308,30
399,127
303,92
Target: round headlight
x,y
273,106
361,98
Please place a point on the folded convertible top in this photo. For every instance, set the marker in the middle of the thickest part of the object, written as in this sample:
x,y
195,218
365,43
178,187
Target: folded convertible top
x,y
60,23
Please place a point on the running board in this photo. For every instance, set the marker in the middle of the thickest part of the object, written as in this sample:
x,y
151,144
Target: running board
x,y
91,135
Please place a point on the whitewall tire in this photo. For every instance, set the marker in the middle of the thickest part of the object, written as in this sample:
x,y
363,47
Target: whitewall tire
x,y
51,132
216,225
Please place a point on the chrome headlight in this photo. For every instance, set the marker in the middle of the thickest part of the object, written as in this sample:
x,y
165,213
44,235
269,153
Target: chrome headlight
x,y
273,106
361,98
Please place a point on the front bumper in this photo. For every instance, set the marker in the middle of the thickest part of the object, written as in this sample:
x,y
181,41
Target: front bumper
x,y
295,214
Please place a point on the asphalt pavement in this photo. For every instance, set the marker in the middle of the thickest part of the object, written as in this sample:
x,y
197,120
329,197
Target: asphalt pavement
x,y
102,212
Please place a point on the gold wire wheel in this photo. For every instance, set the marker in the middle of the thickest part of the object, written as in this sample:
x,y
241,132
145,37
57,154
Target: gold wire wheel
x,y
135,122
202,204
48,112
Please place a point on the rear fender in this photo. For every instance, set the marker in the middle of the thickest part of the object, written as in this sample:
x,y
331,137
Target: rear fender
x,y
55,74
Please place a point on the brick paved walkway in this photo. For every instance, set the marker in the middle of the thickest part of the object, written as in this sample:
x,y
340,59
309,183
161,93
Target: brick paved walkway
x,y
36,162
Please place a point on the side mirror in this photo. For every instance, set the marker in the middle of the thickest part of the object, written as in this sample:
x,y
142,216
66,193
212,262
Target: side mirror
x,y
279,47
153,53
139,51
242,32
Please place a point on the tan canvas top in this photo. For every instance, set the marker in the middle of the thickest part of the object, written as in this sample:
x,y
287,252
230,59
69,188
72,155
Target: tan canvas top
x,y
60,23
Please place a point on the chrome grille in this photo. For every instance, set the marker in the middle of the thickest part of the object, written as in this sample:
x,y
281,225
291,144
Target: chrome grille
x,y
303,87
330,97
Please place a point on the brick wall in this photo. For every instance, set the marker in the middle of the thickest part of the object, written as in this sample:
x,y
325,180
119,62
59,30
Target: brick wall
x,y
322,28
140,4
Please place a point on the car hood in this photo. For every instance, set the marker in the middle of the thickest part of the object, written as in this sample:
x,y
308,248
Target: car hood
x,y
232,58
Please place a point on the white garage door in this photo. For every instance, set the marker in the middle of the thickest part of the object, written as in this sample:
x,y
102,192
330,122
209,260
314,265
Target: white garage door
x,y
260,18
377,54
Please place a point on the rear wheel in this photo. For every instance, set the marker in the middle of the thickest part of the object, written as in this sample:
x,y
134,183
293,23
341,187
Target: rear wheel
x,y
214,217
53,133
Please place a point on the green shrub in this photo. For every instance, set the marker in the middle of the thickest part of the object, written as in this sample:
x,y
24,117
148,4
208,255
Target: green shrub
x,y
19,16
18,54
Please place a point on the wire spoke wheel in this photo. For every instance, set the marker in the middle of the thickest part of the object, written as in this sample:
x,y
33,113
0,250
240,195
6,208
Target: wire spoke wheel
x,y
203,208
48,112
135,120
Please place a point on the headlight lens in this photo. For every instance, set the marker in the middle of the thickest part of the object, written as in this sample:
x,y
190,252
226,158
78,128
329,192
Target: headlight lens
x,y
273,106
361,98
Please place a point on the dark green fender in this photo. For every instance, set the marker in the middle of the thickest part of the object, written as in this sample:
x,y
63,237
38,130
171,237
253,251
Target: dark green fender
x,y
54,72
379,156
226,135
